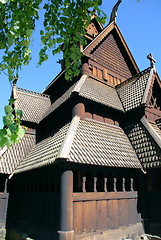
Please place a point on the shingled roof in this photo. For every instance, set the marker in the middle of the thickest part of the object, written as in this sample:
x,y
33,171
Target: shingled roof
x,y
133,91
90,88
10,158
33,105
146,140
85,142
101,93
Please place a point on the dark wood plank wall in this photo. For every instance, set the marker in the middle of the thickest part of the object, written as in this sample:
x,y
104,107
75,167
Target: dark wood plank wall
x,y
39,210
102,211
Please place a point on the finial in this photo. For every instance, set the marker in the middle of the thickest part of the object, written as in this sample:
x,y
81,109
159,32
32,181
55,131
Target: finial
x,y
114,11
15,80
152,60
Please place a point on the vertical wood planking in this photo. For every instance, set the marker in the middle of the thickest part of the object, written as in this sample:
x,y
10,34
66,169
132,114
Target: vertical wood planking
x,y
123,212
101,214
93,217
109,214
132,208
78,216
115,220
86,216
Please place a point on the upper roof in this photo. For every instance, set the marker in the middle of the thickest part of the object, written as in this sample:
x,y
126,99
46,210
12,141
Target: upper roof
x,y
128,95
90,88
33,105
85,142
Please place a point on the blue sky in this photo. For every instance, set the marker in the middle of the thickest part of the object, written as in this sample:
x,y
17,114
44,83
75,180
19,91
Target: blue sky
x,y
140,24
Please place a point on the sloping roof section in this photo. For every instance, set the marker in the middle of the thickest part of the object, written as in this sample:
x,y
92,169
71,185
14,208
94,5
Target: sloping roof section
x,y
102,144
146,139
10,158
33,105
91,89
44,152
132,92
86,142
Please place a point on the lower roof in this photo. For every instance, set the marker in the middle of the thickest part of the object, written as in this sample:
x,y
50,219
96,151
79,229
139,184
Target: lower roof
x,y
84,142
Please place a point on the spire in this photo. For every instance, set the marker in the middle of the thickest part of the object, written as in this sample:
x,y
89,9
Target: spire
x,y
152,60
114,11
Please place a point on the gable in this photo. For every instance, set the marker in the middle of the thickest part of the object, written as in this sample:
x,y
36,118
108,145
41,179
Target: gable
x,y
110,56
110,50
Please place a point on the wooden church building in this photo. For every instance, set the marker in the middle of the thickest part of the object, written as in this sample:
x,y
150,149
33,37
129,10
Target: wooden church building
x,y
89,164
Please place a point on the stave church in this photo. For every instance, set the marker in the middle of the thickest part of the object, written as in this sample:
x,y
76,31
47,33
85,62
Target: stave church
x,y
89,165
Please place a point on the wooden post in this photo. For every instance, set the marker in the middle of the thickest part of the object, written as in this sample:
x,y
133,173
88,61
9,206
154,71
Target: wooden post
x,y
95,184
84,184
79,110
131,184
66,206
105,184
114,184
123,184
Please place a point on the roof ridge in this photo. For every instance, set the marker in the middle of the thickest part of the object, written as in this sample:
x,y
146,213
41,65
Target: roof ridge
x,y
151,131
147,87
80,83
131,78
68,140
32,92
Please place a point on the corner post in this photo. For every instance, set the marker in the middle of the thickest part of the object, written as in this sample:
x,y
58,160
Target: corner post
x,y
66,206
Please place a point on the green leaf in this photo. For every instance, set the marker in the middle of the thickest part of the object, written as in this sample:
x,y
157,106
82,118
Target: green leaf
x,y
3,67
19,113
2,141
12,127
28,32
59,40
8,109
20,131
11,100
41,32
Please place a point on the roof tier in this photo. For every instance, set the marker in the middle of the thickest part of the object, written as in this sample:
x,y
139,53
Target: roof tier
x,y
84,142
